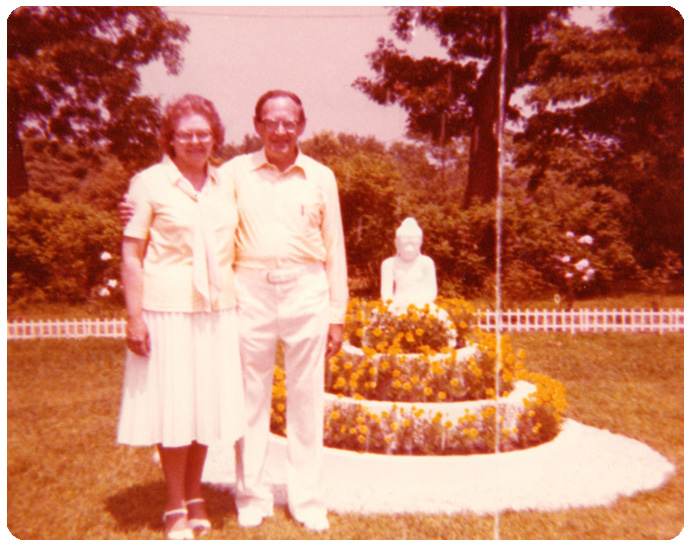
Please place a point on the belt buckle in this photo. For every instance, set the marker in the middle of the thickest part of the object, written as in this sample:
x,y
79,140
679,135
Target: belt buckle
x,y
277,276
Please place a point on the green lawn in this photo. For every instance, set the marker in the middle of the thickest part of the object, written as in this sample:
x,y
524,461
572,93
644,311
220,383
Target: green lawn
x,y
67,479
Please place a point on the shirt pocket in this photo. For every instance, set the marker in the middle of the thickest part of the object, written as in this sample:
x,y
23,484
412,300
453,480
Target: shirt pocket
x,y
311,216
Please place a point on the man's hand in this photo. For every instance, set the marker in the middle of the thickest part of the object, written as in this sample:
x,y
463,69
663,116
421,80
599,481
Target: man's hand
x,y
334,339
125,210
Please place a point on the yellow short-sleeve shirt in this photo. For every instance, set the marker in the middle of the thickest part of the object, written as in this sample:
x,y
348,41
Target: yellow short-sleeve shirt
x,y
165,215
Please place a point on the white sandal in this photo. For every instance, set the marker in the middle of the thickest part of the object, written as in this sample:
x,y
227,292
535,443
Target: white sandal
x,y
185,533
200,526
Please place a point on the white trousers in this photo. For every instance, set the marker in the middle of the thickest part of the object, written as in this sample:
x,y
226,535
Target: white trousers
x,y
290,306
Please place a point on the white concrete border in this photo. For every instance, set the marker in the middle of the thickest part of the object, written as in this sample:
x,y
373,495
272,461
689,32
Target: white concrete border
x,y
582,467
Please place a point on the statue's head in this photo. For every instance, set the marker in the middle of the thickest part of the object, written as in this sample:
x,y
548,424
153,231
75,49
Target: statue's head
x,y
408,240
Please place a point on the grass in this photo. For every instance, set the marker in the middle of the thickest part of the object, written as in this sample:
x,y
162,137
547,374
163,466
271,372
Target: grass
x,y
67,478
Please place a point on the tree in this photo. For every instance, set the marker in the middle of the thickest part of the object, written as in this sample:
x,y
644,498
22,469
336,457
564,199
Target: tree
x,y
609,109
458,96
72,74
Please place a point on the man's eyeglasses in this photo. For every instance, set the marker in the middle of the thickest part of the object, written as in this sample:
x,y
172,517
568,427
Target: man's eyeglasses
x,y
188,136
273,125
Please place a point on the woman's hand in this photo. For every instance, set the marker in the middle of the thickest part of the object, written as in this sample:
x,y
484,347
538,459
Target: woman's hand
x,y
132,271
138,337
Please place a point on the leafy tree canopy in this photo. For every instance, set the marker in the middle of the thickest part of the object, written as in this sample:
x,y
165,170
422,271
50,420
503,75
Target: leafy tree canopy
x,y
447,98
72,75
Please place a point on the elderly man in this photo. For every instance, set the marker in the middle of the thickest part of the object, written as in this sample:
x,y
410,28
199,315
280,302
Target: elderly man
x,y
292,288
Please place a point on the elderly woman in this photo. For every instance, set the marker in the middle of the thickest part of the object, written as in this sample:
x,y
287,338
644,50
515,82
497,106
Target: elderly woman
x,y
182,386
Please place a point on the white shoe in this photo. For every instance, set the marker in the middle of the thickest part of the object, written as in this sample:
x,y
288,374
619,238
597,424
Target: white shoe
x,y
251,517
314,520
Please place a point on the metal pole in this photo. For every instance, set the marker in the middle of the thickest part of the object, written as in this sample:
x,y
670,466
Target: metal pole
x,y
500,185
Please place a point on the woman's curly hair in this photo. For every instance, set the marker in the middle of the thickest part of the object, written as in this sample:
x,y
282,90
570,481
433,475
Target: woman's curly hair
x,y
189,104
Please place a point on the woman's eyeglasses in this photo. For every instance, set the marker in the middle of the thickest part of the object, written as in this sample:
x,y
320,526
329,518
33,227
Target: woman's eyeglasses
x,y
188,136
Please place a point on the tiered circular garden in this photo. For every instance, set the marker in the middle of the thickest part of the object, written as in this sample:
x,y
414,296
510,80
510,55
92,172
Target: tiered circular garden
x,y
423,381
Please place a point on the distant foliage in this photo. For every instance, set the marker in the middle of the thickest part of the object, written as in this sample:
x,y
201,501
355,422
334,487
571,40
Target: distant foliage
x,y
379,187
60,252
64,172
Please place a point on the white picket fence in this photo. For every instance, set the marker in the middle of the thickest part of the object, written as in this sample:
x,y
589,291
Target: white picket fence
x,y
66,328
584,320
660,321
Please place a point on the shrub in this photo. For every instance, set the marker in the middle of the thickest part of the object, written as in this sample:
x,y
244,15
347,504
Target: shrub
x,y
61,252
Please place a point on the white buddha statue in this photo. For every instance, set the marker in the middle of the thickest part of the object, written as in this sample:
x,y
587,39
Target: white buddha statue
x,y
409,277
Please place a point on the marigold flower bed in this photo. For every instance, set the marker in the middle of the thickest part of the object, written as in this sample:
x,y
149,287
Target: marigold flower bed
x,y
398,384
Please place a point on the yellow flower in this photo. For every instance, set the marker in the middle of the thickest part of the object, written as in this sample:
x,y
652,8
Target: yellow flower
x,y
280,407
409,337
352,431
474,432
394,426
407,386
387,439
377,332
335,415
363,429
360,419
441,395
448,424
406,422
419,331
396,384
428,391
360,439
454,382
348,365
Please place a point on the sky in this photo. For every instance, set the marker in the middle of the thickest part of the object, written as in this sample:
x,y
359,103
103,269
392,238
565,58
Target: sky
x,y
234,54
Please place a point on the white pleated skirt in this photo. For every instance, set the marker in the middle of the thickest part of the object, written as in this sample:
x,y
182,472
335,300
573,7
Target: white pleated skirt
x,y
189,388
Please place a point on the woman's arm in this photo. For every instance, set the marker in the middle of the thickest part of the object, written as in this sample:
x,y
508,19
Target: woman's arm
x,y
133,250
